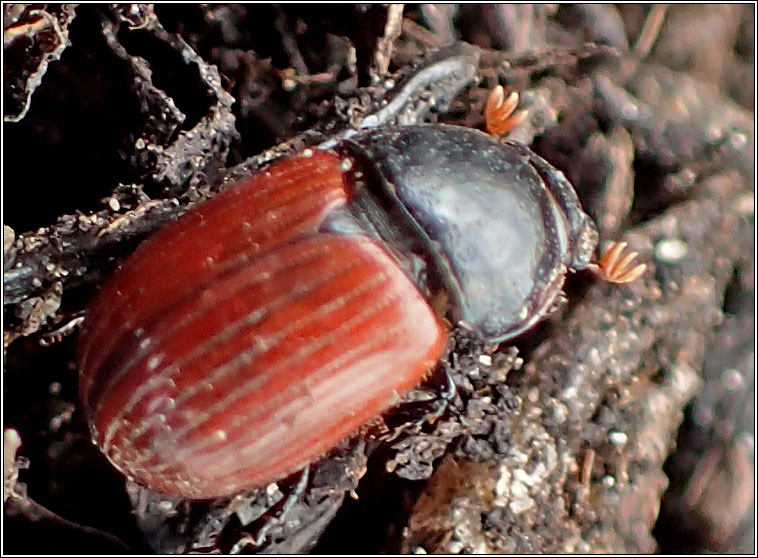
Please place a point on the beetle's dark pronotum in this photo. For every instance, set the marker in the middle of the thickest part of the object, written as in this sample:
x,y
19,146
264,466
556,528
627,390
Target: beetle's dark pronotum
x,y
248,338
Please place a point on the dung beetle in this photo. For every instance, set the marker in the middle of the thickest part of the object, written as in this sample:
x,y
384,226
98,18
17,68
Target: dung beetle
x,y
249,337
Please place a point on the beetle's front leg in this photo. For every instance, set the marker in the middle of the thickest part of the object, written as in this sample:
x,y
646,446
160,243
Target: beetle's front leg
x,y
432,86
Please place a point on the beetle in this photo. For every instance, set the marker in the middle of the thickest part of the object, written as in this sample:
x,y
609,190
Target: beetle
x,y
249,337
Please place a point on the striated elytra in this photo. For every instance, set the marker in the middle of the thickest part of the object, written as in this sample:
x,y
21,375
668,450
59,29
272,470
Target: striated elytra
x,y
248,338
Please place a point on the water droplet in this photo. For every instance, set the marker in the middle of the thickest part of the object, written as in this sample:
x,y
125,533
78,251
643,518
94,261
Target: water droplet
x,y
671,250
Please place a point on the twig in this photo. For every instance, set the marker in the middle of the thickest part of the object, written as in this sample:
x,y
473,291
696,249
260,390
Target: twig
x,y
650,30
420,34
392,30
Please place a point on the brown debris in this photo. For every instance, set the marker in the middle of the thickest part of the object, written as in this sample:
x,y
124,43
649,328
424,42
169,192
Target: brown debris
x,y
32,38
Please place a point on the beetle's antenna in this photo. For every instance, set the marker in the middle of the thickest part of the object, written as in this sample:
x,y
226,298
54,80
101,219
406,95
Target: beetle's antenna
x,y
614,268
498,113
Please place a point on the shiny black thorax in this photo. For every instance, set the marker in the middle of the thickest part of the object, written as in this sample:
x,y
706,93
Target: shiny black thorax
x,y
491,223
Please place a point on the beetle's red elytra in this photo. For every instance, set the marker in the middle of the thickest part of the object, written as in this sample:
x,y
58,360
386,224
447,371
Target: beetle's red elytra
x,y
224,354
228,230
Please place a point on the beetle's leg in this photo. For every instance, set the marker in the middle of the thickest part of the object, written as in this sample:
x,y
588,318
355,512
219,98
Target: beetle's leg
x,y
615,268
275,516
432,86
443,396
57,335
498,113
446,393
